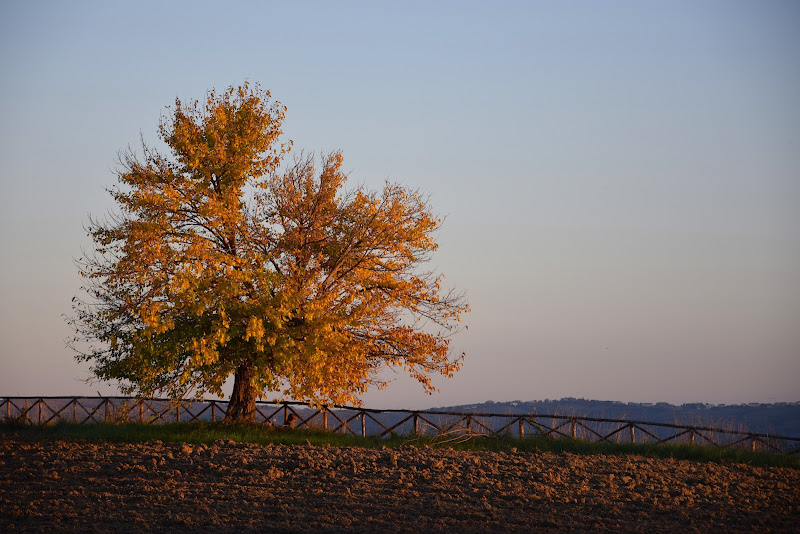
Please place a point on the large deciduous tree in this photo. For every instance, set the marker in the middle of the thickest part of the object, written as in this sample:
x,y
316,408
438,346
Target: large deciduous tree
x,y
225,259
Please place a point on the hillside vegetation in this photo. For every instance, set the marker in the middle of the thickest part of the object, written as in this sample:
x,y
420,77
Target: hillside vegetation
x,y
781,418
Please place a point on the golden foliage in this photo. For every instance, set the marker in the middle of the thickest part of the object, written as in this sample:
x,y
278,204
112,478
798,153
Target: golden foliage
x,y
221,259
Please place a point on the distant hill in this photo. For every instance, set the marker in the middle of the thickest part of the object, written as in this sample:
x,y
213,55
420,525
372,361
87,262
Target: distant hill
x,y
779,419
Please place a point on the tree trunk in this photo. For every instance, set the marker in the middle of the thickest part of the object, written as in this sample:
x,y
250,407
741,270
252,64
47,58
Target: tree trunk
x,y
242,406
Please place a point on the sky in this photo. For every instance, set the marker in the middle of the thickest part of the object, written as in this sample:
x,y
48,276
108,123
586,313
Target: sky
x,y
620,180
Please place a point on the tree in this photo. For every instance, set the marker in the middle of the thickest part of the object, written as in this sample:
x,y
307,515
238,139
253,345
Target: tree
x,y
224,259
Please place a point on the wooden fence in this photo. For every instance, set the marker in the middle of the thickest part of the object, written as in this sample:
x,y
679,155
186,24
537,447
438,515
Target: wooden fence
x,y
383,423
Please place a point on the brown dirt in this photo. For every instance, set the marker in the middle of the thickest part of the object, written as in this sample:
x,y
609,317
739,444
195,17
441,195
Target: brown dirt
x,y
230,487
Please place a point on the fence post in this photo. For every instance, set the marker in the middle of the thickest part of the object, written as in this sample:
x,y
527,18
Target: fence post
x,y
8,408
74,410
416,423
753,443
213,411
363,424
521,427
325,418
572,427
178,413
633,434
691,437
141,411
40,411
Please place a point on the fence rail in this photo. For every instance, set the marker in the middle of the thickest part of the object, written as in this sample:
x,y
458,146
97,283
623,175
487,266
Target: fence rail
x,y
383,423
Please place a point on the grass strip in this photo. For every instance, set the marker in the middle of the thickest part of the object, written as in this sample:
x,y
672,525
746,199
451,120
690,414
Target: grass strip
x,y
202,432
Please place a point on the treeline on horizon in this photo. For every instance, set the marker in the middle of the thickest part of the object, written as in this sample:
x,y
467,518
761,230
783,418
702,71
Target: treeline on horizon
x,y
781,418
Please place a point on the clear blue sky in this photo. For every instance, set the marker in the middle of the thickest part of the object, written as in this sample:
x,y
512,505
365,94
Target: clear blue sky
x,y
621,179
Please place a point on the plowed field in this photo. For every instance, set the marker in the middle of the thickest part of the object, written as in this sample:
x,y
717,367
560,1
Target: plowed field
x,y
55,486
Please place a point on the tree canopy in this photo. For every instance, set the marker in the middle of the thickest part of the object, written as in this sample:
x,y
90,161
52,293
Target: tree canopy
x,y
226,258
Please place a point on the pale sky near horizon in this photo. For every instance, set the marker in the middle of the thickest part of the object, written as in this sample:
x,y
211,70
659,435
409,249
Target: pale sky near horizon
x,y
621,180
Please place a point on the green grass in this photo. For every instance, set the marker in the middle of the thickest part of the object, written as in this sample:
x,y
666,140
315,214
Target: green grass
x,y
255,433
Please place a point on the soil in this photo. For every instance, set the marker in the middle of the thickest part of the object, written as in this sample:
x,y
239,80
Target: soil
x,y
59,486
